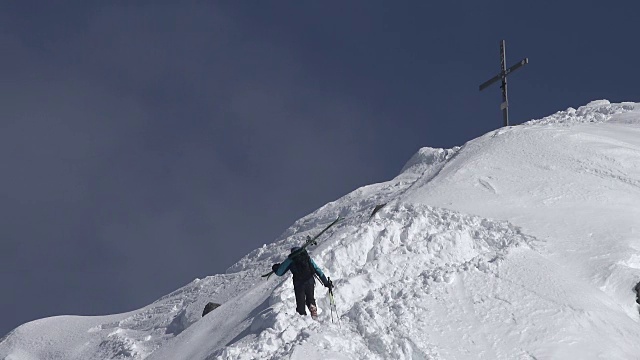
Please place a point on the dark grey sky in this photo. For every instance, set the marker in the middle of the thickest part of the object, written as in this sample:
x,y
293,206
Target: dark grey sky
x,y
145,145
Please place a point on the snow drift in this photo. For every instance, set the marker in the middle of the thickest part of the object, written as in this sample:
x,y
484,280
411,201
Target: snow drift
x,y
520,244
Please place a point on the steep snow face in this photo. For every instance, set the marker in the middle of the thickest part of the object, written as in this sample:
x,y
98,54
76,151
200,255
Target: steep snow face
x,y
521,244
574,185
392,278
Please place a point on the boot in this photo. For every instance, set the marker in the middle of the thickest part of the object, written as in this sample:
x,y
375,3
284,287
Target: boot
x,y
314,312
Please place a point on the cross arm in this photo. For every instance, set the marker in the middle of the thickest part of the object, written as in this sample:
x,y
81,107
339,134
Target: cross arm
x,y
490,81
517,66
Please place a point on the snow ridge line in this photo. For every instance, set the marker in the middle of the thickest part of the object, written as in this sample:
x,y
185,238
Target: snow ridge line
x,y
440,159
424,166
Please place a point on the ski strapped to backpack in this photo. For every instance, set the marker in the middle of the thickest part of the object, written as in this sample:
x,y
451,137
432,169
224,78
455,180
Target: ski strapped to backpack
x,y
309,241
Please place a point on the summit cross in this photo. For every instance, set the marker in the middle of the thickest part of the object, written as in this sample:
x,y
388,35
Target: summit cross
x,y
503,76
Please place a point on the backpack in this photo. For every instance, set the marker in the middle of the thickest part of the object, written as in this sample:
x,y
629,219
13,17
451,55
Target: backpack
x,y
301,267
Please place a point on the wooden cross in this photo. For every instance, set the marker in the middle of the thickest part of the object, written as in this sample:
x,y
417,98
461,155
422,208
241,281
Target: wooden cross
x,y
503,75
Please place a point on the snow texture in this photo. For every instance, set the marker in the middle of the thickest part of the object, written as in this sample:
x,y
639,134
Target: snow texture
x,y
521,244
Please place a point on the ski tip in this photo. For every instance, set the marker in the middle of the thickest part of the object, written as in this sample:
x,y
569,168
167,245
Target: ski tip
x,y
376,209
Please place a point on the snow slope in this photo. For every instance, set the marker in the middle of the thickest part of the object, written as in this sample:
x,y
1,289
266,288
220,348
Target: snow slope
x,y
521,244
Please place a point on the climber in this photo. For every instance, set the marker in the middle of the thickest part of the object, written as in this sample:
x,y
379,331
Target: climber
x,y
304,269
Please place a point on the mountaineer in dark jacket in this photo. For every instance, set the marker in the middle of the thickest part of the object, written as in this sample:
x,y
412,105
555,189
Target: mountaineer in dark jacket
x,y
303,269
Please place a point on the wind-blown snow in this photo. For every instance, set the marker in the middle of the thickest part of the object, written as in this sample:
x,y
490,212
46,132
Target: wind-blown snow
x,y
521,244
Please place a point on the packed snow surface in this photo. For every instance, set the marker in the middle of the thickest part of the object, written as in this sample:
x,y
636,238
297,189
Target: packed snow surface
x,y
521,244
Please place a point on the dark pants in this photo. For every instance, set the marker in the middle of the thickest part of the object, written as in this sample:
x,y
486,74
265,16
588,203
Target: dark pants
x,y
304,295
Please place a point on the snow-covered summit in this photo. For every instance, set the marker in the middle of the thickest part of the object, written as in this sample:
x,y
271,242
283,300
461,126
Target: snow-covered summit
x,y
595,111
523,243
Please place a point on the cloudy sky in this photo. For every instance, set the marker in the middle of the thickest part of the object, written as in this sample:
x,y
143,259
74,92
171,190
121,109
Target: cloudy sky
x,y
144,145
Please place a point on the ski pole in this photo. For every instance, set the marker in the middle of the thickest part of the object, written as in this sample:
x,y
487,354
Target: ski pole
x,y
332,302
331,306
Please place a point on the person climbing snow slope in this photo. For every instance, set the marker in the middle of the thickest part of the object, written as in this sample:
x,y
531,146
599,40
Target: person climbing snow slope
x,y
303,269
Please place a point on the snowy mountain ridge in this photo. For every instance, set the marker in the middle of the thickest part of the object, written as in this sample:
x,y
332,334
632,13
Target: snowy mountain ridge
x,y
521,244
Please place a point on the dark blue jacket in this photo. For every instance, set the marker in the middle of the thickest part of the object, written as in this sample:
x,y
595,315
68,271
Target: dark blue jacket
x,y
286,266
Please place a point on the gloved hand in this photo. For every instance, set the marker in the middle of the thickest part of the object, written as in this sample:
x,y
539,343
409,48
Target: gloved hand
x,y
275,267
329,284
